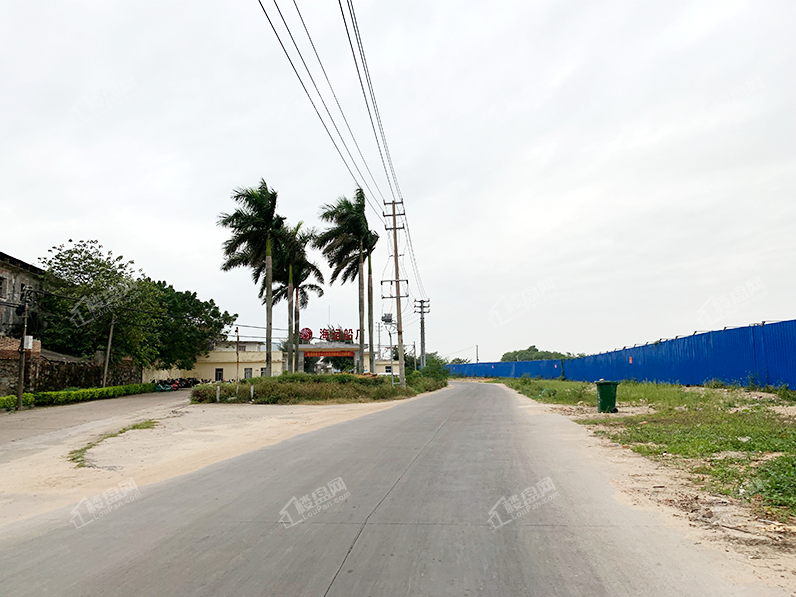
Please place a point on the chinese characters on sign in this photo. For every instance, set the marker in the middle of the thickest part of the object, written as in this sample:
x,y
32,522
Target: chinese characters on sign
x,y
335,335
91,508
309,505
515,506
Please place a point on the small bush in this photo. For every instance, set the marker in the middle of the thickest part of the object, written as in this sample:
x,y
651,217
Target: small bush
x,y
10,402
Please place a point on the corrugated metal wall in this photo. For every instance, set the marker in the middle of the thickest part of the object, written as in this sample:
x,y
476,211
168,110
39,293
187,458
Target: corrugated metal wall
x,y
765,354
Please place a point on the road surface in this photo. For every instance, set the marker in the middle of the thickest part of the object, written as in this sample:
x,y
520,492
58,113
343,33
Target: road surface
x,y
422,514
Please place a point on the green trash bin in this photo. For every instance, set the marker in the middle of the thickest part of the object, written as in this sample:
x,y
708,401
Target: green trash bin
x,y
606,393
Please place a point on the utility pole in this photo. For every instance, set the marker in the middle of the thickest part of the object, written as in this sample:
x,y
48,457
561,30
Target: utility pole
x,y
237,356
397,281
108,352
414,353
422,306
392,367
21,378
476,353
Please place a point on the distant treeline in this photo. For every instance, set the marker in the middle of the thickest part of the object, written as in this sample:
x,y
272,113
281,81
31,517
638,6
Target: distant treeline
x,y
534,354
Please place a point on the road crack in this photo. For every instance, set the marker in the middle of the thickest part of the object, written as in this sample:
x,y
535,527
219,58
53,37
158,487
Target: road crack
x,y
376,507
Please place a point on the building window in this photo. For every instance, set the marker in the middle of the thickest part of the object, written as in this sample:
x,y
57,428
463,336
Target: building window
x,y
242,348
247,373
2,288
220,374
262,371
388,368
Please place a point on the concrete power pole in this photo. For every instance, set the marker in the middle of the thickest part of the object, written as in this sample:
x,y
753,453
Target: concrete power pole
x,y
108,353
397,281
422,306
21,378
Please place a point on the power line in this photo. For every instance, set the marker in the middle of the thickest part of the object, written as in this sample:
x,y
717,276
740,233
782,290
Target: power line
x,y
339,107
320,96
367,105
306,91
360,45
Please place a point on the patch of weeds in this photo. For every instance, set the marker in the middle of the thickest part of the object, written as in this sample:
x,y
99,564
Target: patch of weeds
x,y
785,393
748,454
775,483
78,456
695,434
553,391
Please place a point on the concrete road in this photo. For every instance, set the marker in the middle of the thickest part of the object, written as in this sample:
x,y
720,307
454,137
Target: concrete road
x,y
30,431
421,516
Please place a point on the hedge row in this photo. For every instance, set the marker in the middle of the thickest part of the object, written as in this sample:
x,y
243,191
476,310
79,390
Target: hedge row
x,y
10,402
72,396
301,387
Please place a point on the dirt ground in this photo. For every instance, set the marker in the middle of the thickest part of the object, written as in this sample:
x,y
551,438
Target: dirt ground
x,y
757,548
185,439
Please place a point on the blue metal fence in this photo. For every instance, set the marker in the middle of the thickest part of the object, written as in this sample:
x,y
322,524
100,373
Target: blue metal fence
x,y
763,354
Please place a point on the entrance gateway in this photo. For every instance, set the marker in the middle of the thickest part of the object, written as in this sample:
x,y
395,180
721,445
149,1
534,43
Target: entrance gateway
x,y
327,349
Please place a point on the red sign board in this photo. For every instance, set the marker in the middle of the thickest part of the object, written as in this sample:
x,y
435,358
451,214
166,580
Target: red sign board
x,y
328,353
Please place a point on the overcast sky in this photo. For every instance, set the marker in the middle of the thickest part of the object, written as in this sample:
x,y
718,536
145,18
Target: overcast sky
x,y
578,175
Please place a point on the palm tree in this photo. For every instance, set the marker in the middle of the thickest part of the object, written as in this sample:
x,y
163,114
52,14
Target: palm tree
x,y
294,274
254,224
345,244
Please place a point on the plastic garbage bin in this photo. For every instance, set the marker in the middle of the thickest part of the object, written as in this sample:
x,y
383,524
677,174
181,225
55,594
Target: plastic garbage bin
x,y
606,394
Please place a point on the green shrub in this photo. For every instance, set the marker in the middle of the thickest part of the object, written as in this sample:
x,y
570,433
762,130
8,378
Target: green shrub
x,y
435,369
88,394
293,388
10,402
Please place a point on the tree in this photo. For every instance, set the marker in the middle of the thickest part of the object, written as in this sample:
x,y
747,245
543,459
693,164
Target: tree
x,y
342,364
187,328
88,297
91,297
254,224
435,366
294,273
534,354
345,245
410,361
459,361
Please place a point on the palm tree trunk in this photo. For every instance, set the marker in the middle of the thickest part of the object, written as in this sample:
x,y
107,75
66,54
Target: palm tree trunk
x,y
269,305
372,360
361,367
296,328
290,320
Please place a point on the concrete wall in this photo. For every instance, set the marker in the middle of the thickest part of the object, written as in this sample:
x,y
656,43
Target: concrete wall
x,y
42,375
